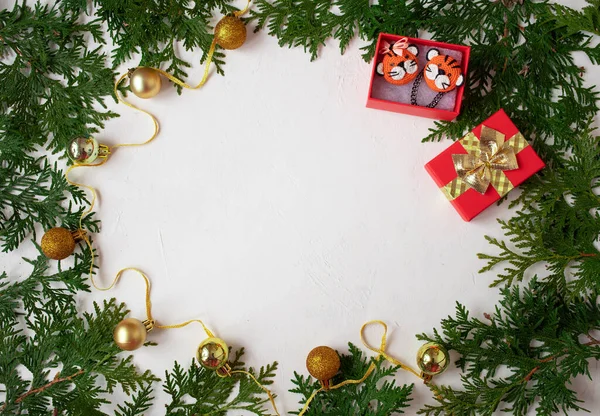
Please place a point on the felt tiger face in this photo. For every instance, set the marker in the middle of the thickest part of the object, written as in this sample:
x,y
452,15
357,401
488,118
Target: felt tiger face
x,y
399,66
442,72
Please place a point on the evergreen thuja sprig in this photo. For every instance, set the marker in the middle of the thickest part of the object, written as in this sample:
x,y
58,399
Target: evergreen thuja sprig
x,y
377,395
53,83
53,89
153,30
72,363
523,356
215,395
558,223
310,23
37,193
587,19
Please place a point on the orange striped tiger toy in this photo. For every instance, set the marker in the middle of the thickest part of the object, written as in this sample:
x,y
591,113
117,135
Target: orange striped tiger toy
x,y
442,72
399,65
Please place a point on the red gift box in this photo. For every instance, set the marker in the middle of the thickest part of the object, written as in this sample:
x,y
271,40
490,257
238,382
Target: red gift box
x,y
460,189
416,110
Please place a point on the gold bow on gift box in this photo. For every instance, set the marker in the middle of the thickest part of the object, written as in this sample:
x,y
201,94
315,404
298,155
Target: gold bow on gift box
x,y
484,164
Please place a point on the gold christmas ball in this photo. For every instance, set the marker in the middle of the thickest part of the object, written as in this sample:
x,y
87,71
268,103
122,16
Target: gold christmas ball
x,y
432,359
83,150
58,243
323,363
145,82
130,334
213,353
230,32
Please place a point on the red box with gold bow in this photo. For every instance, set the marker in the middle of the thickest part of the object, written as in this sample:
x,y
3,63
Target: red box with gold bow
x,y
485,165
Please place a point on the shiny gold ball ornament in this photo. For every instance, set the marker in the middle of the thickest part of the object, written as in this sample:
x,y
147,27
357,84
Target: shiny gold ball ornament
x,y
323,363
145,82
59,243
230,32
432,359
85,150
130,333
213,353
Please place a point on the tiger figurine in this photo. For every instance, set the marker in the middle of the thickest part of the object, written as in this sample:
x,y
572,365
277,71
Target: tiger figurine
x,y
442,72
399,65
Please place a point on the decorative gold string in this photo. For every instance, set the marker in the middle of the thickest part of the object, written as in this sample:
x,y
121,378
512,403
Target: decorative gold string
x,y
266,390
121,100
151,319
381,351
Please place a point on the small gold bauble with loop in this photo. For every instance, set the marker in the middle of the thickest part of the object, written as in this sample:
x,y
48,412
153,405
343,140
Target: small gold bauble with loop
x,y
85,150
432,359
230,32
323,363
213,353
59,243
145,82
130,333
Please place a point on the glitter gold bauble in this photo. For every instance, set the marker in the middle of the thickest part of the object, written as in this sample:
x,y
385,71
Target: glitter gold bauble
x,y
432,359
145,82
59,243
130,333
323,363
230,32
213,353
85,150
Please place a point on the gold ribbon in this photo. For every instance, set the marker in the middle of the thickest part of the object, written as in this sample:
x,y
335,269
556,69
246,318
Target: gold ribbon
x,y
153,324
484,164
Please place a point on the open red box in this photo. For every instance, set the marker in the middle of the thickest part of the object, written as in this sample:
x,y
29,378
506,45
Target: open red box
x,y
407,108
467,201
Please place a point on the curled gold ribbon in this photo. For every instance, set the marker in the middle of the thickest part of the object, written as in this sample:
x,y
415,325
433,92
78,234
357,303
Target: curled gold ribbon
x,y
153,324
484,164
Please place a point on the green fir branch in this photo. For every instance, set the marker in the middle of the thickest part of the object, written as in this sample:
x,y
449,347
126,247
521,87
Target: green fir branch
x,y
201,391
588,19
57,336
523,356
154,30
37,194
54,88
378,395
309,23
558,224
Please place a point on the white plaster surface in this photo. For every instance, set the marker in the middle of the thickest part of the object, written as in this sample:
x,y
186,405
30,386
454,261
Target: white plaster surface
x,y
285,214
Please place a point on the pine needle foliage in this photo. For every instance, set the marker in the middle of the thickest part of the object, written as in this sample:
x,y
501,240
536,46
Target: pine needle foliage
x,y
53,89
524,356
150,32
378,395
37,194
588,19
310,23
200,391
55,360
53,84
557,225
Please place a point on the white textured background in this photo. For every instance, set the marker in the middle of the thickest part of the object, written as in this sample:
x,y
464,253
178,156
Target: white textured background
x,y
285,214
